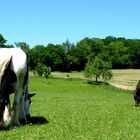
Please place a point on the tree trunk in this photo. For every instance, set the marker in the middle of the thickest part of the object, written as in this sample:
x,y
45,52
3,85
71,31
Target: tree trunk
x,y
96,79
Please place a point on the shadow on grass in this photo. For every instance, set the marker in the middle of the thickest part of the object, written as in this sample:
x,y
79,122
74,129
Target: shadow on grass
x,y
97,82
38,120
32,121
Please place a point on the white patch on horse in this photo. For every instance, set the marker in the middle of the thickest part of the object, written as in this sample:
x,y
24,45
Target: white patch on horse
x,y
7,115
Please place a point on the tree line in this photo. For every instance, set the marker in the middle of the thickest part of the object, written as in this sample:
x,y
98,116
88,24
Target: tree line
x,y
120,52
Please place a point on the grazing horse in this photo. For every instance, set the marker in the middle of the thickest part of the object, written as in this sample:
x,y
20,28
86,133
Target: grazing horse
x,y
14,79
137,94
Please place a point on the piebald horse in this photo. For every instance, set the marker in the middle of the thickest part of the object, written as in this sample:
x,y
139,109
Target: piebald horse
x,y
14,79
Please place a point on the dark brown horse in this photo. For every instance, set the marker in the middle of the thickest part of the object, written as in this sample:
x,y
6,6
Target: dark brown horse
x,y
137,94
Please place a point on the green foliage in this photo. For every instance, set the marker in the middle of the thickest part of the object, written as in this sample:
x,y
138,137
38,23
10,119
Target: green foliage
x,y
9,46
107,75
97,68
36,56
121,52
43,70
2,41
40,69
47,71
24,46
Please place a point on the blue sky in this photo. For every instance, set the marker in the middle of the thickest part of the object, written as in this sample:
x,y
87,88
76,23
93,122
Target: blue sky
x,y
55,21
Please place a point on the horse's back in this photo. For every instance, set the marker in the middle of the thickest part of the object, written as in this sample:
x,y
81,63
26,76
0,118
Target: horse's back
x,y
19,59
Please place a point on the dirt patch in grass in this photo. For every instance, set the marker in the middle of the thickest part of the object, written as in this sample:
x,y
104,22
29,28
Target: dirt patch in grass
x,y
123,86
125,79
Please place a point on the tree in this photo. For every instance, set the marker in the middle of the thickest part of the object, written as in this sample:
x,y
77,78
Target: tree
x,y
36,56
9,46
76,58
77,55
97,46
109,39
24,46
118,54
67,45
97,68
106,72
134,53
55,57
32,59
2,41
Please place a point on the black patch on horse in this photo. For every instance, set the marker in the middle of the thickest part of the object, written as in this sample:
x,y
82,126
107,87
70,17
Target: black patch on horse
x,y
6,88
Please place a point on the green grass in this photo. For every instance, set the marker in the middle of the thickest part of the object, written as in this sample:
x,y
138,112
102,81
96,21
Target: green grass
x,y
71,109
124,78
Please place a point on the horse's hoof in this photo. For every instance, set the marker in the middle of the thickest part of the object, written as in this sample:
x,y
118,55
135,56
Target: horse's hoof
x,y
23,121
16,123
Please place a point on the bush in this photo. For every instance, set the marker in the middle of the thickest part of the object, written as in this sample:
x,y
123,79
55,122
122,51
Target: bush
x,y
43,70
47,71
39,70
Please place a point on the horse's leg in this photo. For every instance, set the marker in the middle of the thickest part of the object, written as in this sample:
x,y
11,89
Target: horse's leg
x,y
7,114
16,106
22,114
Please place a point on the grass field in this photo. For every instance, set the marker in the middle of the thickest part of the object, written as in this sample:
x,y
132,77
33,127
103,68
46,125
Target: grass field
x,y
125,78
71,109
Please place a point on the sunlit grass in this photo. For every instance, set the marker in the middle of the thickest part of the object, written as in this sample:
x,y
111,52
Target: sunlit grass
x,y
124,78
71,109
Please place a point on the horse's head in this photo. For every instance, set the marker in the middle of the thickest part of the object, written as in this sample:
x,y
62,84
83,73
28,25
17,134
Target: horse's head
x,y
136,99
27,104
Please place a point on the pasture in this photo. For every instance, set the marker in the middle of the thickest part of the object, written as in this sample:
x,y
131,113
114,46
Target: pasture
x,y
71,109
124,78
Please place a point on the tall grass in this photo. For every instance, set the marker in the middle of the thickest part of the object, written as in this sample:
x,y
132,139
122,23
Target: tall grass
x,y
71,109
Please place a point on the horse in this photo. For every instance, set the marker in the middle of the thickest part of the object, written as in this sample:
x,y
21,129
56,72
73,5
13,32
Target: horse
x,y
14,78
137,94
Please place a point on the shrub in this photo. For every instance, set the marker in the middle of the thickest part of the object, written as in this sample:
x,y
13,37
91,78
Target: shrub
x,y
43,70
39,69
47,71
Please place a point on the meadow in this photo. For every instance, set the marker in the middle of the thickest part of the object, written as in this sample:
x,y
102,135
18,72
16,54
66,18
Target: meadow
x,y
124,78
68,108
